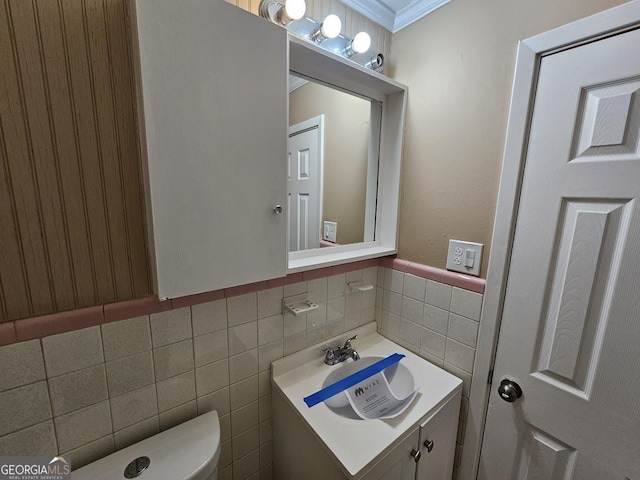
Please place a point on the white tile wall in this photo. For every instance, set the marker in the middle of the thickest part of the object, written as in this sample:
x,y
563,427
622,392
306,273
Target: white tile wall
x,y
89,392
434,320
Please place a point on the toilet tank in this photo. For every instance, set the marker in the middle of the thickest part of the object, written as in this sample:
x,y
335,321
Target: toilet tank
x,y
189,451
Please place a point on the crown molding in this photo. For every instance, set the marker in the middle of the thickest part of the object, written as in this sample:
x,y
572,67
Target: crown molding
x,y
388,18
375,11
414,12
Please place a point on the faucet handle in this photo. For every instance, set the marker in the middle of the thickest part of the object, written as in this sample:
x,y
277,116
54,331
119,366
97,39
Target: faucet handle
x,y
347,344
330,353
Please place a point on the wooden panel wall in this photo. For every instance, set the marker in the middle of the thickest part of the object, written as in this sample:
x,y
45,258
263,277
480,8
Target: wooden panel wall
x,y
72,223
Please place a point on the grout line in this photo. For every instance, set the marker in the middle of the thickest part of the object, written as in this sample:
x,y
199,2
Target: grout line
x,y
46,379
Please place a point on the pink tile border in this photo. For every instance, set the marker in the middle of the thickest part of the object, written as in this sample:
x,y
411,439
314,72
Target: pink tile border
x,y
288,280
474,284
244,289
315,274
463,281
42,326
345,268
386,262
372,262
7,333
134,308
45,325
401,265
197,298
425,271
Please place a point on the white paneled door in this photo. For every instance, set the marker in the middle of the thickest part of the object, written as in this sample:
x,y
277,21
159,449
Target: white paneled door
x,y
570,331
304,183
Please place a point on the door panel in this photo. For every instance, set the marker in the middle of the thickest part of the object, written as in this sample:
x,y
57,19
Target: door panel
x,y
571,320
545,457
304,184
589,234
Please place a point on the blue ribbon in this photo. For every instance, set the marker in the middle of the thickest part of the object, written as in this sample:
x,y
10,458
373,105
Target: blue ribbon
x,y
353,379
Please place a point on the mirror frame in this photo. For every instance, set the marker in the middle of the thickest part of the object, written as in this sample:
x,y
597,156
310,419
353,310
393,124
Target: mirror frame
x,y
311,61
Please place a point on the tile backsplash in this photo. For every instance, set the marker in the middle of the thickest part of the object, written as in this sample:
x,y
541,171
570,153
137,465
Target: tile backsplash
x,y
89,392
437,321
86,393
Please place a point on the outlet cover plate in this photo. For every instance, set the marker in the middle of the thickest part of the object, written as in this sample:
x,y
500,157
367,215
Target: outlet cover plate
x,y
330,231
464,257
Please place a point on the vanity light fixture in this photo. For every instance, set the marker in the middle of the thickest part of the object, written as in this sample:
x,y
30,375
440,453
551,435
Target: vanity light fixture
x,y
360,44
375,63
290,14
282,12
330,28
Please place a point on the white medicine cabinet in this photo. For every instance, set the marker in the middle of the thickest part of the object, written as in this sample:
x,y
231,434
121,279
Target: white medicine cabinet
x,y
213,118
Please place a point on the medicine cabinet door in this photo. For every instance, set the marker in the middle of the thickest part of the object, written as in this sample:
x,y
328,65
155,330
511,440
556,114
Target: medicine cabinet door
x,y
213,85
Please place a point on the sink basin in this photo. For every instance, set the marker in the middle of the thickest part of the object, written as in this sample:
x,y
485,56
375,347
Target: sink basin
x,y
355,445
399,377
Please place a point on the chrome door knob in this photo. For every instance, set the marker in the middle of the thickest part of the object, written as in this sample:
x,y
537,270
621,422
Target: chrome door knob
x,y
429,445
277,209
509,390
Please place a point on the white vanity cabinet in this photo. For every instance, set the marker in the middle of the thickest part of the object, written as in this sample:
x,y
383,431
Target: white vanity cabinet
x,y
427,453
424,453
212,90
317,443
437,442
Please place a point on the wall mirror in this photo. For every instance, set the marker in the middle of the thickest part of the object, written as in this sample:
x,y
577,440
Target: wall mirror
x,y
378,185
332,170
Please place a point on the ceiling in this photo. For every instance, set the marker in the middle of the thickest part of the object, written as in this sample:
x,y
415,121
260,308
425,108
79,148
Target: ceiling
x,y
394,15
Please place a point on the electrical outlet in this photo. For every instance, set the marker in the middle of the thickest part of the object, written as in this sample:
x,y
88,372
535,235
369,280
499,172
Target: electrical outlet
x,y
464,257
330,233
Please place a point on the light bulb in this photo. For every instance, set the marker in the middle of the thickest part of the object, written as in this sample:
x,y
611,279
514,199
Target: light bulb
x,y
361,42
295,9
331,26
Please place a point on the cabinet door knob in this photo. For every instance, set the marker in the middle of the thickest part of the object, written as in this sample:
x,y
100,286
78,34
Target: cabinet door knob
x,y
429,445
415,454
277,209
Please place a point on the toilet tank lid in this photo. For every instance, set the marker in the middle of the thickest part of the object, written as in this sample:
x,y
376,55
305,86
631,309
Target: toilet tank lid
x,y
183,452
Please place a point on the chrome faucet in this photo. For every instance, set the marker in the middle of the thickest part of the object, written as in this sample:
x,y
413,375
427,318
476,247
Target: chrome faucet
x,y
335,355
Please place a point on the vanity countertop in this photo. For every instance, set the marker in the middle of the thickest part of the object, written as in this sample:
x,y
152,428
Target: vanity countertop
x,y
357,445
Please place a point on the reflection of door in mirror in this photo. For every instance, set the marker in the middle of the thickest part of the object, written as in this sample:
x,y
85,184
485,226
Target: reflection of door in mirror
x,y
304,184
347,125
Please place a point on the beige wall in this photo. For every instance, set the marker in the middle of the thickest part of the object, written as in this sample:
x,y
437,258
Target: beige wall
x,y
346,137
458,63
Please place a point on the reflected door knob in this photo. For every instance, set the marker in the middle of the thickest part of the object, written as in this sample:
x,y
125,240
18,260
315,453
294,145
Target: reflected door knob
x,y
509,390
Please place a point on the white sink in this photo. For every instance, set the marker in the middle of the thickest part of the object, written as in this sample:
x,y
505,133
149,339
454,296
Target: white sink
x,y
399,377
303,373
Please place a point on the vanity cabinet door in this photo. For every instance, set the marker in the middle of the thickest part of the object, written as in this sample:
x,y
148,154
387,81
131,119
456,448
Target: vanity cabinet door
x,y
213,85
399,464
438,442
